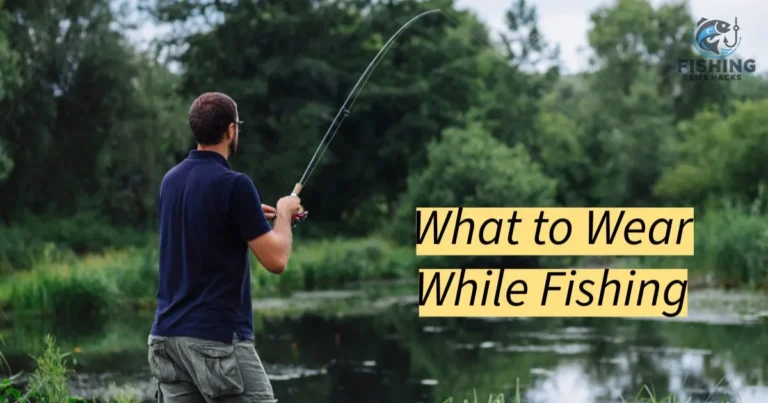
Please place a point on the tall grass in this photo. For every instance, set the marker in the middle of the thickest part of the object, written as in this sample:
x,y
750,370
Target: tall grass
x,y
3,362
85,288
646,395
492,398
90,286
39,240
733,245
336,262
49,381
731,248
50,377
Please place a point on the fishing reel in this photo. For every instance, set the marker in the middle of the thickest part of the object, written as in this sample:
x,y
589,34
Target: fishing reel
x,y
302,214
299,217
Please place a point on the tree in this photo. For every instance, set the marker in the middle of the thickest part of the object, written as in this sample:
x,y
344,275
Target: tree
x,y
81,87
291,64
468,167
720,158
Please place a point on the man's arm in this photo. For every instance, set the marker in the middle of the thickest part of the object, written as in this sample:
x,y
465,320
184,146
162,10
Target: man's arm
x,y
272,246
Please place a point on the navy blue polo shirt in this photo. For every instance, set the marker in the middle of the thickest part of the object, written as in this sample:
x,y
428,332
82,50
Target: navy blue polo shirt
x,y
207,215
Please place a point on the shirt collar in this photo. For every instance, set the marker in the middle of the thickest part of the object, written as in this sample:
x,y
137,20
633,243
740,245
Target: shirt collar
x,y
208,155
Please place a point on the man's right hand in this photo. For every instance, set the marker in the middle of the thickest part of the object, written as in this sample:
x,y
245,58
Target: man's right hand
x,y
274,248
288,206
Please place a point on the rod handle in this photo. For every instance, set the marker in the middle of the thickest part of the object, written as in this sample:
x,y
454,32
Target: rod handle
x,y
296,189
302,214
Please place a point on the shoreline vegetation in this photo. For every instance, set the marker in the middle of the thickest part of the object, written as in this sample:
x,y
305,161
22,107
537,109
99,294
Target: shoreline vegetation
x,y
51,278
49,382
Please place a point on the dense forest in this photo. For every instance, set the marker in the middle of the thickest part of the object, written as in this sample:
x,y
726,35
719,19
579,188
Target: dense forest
x,y
454,115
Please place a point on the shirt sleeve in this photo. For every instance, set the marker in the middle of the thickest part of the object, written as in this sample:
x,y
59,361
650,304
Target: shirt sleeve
x,y
245,210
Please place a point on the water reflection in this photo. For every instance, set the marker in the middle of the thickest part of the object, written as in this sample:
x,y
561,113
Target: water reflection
x,y
393,356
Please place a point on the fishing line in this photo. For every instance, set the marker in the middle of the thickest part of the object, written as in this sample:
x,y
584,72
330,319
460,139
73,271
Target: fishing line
x,y
346,107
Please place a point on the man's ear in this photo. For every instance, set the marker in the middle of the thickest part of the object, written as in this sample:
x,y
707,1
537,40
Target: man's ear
x,y
231,131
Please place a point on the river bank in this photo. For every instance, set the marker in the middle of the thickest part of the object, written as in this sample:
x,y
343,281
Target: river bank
x,y
339,345
90,285
97,283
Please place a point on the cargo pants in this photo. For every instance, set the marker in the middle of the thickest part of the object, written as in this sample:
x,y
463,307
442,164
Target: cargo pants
x,y
191,370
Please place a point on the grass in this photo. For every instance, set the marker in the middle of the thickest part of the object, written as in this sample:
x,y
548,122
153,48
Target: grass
x,y
88,287
731,248
49,382
646,395
84,288
336,262
3,362
42,239
50,377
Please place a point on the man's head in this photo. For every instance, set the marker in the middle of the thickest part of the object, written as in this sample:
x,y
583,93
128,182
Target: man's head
x,y
214,121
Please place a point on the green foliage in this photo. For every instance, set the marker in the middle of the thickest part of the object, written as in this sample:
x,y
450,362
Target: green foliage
x,y
731,246
84,288
450,117
491,399
6,163
37,240
720,157
122,395
89,287
468,167
10,74
48,384
69,297
732,243
646,395
92,120
8,393
335,262
49,381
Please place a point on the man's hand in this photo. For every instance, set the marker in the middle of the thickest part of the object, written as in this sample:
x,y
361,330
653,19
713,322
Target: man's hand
x,y
288,206
269,211
274,248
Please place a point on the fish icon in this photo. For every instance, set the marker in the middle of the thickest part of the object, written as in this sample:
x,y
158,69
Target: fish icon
x,y
709,33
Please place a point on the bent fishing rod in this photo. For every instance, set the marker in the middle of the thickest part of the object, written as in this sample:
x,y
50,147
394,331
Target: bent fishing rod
x,y
344,112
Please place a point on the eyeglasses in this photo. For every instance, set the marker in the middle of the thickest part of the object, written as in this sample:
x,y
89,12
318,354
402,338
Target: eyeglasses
x,y
240,125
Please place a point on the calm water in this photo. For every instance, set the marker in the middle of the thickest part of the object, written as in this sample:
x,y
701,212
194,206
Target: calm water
x,y
368,346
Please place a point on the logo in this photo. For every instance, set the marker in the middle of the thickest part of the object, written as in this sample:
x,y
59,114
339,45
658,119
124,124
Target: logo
x,y
716,39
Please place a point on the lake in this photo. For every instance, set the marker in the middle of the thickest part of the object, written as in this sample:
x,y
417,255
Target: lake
x,y
367,344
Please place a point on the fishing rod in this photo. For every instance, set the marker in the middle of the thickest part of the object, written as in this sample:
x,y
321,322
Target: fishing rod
x,y
344,112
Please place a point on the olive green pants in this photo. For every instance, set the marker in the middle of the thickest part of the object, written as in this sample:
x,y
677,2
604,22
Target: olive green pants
x,y
191,370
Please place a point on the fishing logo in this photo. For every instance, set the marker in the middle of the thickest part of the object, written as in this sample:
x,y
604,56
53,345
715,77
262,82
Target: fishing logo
x,y
717,41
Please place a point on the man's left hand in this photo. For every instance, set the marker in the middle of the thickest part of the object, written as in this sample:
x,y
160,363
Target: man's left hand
x,y
269,211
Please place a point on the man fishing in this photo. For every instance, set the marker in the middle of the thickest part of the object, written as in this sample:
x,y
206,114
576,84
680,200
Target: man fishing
x,y
201,346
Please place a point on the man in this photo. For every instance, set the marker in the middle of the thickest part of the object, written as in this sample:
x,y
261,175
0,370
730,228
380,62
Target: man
x,y
201,345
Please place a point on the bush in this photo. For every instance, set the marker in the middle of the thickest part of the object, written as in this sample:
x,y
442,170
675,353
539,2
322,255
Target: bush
x,y
732,243
86,288
49,382
89,286
470,168
337,262
38,241
731,246
21,249
50,378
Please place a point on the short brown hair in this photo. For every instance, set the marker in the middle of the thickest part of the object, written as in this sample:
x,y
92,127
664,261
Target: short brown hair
x,y
210,115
